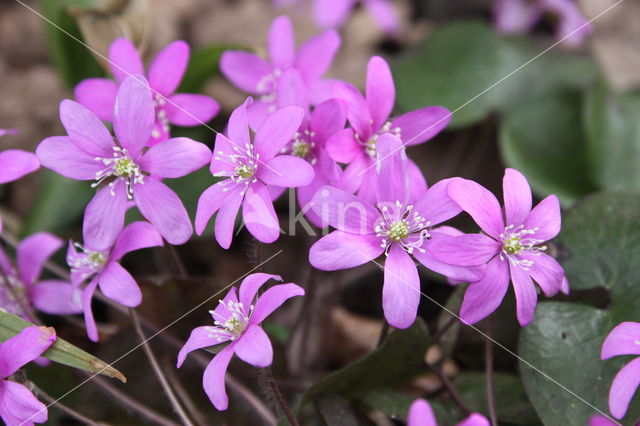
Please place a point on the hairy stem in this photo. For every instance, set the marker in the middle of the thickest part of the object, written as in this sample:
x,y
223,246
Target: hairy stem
x,y
67,410
273,386
489,368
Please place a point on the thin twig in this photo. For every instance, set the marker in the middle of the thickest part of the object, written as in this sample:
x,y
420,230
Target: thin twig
x,y
451,390
489,368
182,393
436,337
177,261
271,381
158,371
68,410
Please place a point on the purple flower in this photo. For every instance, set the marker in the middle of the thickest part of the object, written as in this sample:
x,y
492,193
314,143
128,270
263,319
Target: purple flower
x,y
165,74
4,132
104,269
24,290
256,76
510,246
600,420
397,225
520,16
237,327
249,169
123,166
334,13
18,406
369,118
421,414
624,339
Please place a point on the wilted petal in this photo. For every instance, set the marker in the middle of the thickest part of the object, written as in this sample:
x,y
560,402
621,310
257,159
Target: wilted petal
x,y
258,214
186,109
526,295
32,254
622,340
168,67
341,250
272,299
481,204
201,337
254,347
213,378
104,216
18,406
517,197
135,236
401,288
381,92
483,297
245,70
133,115
124,59
345,211
174,158
286,171
623,387
422,124
99,95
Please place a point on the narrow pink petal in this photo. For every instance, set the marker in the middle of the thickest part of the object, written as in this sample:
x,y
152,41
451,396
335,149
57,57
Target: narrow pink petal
x,y
332,13
118,284
185,109
514,16
162,207
546,218
321,90
15,163
354,174
276,130
24,347
517,197
133,115
422,124
392,180
258,214
435,205
401,288
481,204
4,132
564,288
291,90
32,254
343,146
622,340
453,272
254,347
345,211
213,378
526,295
381,92
104,216
99,95
475,419
316,54
623,387
56,298
89,322
599,420
209,202
61,155
238,126
483,297
174,158
200,337
221,164
368,186
245,70
327,119
86,130
286,171
341,250
18,406
305,195
168,67
251,284
465,250
258,111
357,107
417,182
124,59
226,218
281,42
384,13
421,414
272,299
546,272
135,236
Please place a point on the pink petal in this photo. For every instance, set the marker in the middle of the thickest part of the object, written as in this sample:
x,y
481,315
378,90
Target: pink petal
x,y
381,92
332,13
168,67
118,284
546,217
186,109
514,16
104,216
276,130
623,387
287,171
272,299
598,420
86,130
162,207
341,250
258,111
61,155
24,347
343,146
245,70
517,197
316,55
32,254
99,95
368,186
384,13
622,340
357,107
200,337
221,312
345,211
251,284
238,126
327,119
15,163
221,163
135,236
258,214
392,180
354,174
481,204
457,273
483,297
475,419
56,298
213,378
226,218
417,182
435,205
321,90
89,322
209,202
254,347
465,250
546,272
133,115
401,288
526,296
18,406
281,43
124,59
174,158
422,124
305,201
291,90
421,414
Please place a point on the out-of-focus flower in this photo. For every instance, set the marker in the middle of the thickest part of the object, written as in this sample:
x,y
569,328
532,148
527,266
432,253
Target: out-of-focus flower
x,y
334,13
397,225
369,118
123,166
600,420
249,168
104,269
263,78
510,246
165,74
421,414
237,329
4,132
18,406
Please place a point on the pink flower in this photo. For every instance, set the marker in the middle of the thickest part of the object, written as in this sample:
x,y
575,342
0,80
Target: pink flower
x,y
421,414
25,290
600,420
18,406
237,327
262,78
104,269
4,132
369,118
128,170
397,225
624,339
250,169
510,246
165,74
334,13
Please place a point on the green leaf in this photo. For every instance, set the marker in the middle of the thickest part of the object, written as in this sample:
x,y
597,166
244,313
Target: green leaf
x,y
543,139
61,351
203,65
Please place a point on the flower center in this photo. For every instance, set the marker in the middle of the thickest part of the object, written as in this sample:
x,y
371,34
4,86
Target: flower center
x,y
401,225
243,166
399,230
87,262
370,145
231,327
518,241
303,146
120,166
267,86
162,121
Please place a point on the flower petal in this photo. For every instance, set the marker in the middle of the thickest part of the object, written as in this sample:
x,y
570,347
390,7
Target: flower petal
x,y
526,295
341,250
291,90
124,59
475,419
209,202
343,146
133,115
453,272
417,182
118,284
421,414
174,158
546,272
401,288
251,284
185,109
135,236
435,205
332,13
422,124
392,180
221,313
226,218
287,171
481,204
99,95
168,67
200,337
381,92
345,211
316,54
465,249
384,13
24,347
272,299
358,110
483,297
245,70
56,298
327,119
623,387
258,214
254,347
32,254
15,163
104,216
281,42
18,406
517,197
238,126
546,217
276,130
61,155
89,322
622,340
86,130
213,378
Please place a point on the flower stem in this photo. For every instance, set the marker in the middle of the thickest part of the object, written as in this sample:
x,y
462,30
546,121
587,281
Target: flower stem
x,y
451,390
158,371
384,332
68,410
273,386
489,369
436,337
